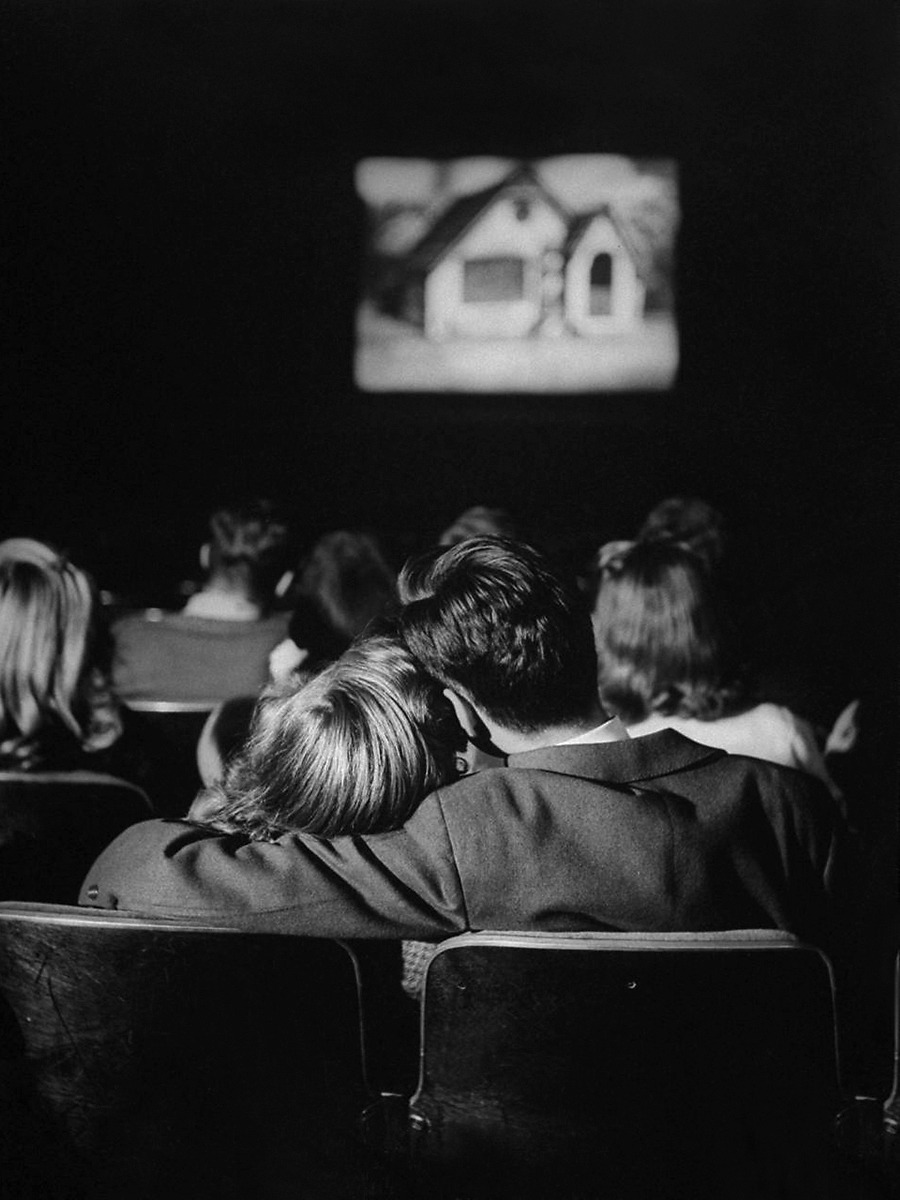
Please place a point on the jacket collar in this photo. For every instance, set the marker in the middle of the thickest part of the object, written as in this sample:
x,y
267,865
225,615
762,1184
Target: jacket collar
x,y
628,761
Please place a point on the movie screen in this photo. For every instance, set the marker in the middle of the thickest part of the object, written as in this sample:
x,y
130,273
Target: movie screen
x,y
491,275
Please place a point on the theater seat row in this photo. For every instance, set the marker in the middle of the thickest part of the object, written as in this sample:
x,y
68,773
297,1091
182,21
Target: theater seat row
x,y
148,1058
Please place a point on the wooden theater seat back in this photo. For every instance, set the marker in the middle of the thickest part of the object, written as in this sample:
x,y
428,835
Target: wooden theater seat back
x,y
639,1065
159,1059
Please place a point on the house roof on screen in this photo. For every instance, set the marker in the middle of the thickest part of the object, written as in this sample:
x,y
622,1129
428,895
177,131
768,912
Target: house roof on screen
x,y
463,213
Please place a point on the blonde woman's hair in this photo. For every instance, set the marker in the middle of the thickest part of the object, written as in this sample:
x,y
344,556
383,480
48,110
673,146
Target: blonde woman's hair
x,y
352,751
53,698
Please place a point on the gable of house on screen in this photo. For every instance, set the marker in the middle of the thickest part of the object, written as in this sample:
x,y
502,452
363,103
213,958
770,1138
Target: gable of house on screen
x,y
489,275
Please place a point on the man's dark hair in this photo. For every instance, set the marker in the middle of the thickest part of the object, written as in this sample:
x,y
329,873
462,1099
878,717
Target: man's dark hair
x,y
492,619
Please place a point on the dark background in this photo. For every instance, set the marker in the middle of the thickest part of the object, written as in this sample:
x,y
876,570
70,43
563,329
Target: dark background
x,y
184,255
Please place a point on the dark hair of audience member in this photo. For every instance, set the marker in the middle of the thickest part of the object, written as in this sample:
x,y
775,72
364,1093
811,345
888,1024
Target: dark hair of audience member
x,y
689,520
352,751
248,547
347,582
479,521
663,643
490,618
55,702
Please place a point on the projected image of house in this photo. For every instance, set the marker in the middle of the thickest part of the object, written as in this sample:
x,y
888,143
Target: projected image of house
x,y
555,276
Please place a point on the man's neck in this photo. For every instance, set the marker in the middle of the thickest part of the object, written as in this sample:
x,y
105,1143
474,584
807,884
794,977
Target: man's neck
x,y
223,603
513,741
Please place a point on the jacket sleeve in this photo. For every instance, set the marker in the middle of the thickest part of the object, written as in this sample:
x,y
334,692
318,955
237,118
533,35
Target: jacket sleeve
x,y
402,884
819,858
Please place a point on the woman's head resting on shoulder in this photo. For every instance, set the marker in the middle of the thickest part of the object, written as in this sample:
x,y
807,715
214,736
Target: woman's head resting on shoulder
x,y
663,642
353,750
51,690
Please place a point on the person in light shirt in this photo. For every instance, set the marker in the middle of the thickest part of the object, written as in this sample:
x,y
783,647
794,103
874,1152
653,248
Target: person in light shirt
x,y
666,659
218,644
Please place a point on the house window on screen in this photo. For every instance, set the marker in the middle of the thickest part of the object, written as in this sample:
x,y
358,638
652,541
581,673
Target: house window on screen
x,y
491,279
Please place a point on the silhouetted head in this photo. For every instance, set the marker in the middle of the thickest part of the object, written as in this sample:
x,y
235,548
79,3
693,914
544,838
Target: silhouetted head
x,y
479,521
348,581
691,521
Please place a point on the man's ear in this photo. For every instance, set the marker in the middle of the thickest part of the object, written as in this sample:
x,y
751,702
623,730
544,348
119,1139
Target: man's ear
x,y
473,726
204,556
465,713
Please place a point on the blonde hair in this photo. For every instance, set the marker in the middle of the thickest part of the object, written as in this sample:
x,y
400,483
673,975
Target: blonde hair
x,y
353,750
51,692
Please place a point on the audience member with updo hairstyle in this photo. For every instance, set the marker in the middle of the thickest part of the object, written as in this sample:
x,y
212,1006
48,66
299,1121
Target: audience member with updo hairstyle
x,y
667,660
351,751
57,712
691,521
479,521
342,586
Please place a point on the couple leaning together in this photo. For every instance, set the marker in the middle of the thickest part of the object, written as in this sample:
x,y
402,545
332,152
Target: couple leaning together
x,y
350,813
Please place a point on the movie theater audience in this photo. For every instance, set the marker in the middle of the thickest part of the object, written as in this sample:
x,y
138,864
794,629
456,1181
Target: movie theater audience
x,y
57,709
667,658
359,806
578,831
218,645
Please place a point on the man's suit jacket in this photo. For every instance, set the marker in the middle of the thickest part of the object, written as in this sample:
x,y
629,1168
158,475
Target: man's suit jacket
x,y
655,833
